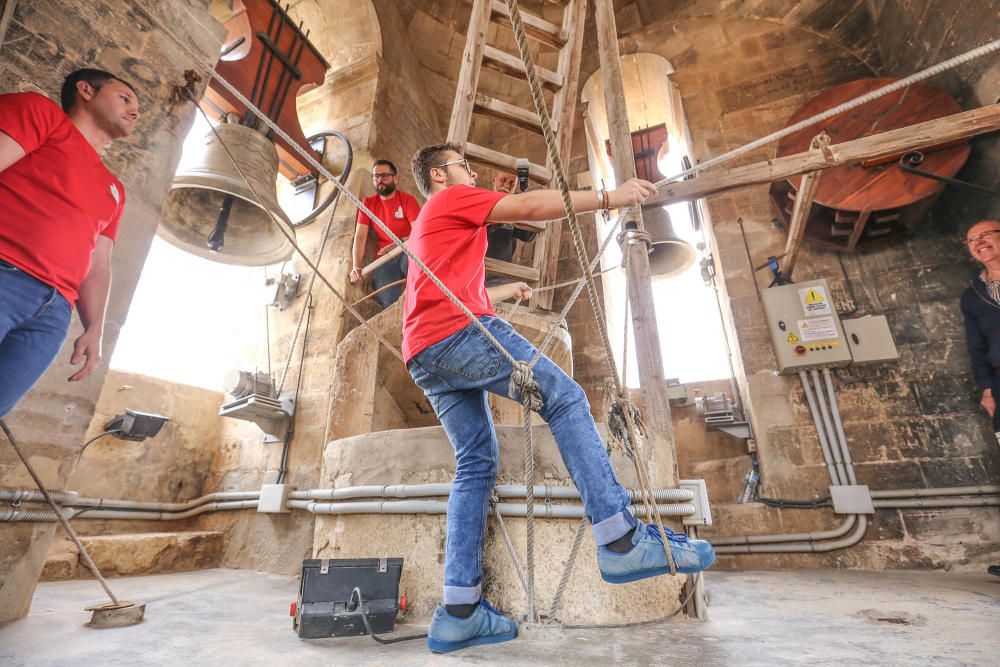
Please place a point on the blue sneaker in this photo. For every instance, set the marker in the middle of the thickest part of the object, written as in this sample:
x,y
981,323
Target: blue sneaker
x,y
486,625
647,559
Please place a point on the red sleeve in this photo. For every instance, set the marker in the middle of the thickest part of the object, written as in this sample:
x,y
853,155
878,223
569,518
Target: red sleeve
x,y
111,230
412,208
363,218
28,118
472,205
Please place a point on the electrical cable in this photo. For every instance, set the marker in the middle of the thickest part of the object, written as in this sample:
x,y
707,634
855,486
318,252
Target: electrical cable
x,y
635,624
785,503
368,625
113,431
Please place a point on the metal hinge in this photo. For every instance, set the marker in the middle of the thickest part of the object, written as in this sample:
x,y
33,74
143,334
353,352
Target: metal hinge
x,y
383,565
324,566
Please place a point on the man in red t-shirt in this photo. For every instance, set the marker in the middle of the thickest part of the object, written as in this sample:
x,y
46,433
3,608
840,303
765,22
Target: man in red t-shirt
x,y
455,365
59,213
397,210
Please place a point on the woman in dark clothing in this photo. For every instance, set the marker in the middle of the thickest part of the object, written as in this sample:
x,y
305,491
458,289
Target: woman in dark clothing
x,y
981,308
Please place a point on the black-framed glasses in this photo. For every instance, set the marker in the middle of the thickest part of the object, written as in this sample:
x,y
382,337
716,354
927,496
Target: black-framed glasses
x,y
462,161
383,177
982,235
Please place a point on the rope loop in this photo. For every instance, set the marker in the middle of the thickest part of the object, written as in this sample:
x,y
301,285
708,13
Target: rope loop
x,y
621,412
523,384
635,237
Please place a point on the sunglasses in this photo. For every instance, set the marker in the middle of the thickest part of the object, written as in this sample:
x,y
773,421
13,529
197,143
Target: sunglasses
x,y
462,161
982,235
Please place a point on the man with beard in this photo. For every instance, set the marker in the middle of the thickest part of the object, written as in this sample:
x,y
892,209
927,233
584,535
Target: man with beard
x,y
397,210
59,213
981,310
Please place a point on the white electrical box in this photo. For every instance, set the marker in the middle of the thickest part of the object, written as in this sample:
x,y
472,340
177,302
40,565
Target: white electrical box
x,y
274,499
703,512
870,339
805,329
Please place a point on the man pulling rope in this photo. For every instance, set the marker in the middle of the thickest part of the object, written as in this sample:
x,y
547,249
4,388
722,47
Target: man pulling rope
x,y
455,365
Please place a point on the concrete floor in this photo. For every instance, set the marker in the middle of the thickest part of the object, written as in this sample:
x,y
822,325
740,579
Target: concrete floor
x,y
235,617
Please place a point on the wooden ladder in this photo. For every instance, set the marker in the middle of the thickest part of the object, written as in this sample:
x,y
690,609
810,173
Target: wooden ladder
x,y
564,81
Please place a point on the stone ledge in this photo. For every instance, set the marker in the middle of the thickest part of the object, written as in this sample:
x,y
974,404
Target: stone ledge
x,y
138,553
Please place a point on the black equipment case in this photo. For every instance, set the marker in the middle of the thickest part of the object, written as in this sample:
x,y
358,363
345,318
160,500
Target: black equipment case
x,y
327,607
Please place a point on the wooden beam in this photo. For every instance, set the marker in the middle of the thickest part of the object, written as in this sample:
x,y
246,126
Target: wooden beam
x,y
6,14
392,253
497,160
468,76
797,224
800,209
652,383
511,270
895,142
534,26
859,227
512,66
508,113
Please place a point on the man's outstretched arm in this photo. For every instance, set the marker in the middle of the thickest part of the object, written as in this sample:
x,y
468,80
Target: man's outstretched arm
x,y
541,205
91,306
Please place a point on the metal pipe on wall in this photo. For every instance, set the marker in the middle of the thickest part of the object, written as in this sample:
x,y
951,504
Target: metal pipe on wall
x,y
902,503
800,547
839,426
989,489
834,533
136,515
824,445
441,507
444,489
828,424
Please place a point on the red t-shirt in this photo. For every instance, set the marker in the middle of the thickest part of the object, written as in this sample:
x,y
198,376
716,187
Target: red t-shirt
x,y
397,212
449,236
57,199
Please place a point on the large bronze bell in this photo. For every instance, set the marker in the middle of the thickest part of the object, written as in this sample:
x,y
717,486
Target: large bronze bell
x,y
670,255
211,211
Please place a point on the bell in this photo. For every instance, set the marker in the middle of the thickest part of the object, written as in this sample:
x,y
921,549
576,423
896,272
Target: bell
x,y
211,211
670,255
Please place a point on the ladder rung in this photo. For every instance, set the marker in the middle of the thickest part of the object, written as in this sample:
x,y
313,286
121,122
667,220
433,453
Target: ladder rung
x,y
507,64
534,26
499,267
498,160
508,113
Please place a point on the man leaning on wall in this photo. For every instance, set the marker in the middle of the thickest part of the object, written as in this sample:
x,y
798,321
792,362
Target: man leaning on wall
x,y
60,209
981,310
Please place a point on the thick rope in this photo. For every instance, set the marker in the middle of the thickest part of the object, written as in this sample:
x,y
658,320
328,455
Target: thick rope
x,y
567,571
926,73
529,515
557,170
510,545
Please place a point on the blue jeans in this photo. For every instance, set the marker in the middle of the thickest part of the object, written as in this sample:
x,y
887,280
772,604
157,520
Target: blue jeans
x,y
387,274
34,319
455,374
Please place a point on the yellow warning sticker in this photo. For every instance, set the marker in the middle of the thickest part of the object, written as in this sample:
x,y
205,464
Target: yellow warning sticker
x,y
814,300
792,338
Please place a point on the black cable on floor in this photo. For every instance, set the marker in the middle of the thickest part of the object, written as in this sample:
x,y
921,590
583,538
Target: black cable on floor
x,y
368,625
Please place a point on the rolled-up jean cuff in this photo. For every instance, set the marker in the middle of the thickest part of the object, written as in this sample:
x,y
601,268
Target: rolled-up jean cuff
x,y
613,527
462,594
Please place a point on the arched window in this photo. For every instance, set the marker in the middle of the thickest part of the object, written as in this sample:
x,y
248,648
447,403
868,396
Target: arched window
x,y
687,310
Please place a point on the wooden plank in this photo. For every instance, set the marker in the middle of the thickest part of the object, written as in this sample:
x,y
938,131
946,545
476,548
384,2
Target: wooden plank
x,y
468,76
797,223
508,113
859,227
512,66
497,160
510,270
653,384
915,137
548,246
534,26
6,14
392,253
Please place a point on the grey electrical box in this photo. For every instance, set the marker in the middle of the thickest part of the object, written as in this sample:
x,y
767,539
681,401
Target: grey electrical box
x,y
805,329
870,339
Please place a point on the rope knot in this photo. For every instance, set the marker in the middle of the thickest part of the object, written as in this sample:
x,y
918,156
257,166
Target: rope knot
x,y
635,237
623,417
523,384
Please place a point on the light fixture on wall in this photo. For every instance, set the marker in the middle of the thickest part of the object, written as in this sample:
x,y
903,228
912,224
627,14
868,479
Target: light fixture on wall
x,y
132,425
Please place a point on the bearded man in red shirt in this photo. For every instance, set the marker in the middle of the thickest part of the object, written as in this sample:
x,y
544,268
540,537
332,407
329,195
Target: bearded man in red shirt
x,y
456,365
60,209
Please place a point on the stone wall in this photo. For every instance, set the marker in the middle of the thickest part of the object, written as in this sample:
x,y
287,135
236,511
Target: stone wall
x,y
44,42
911,424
